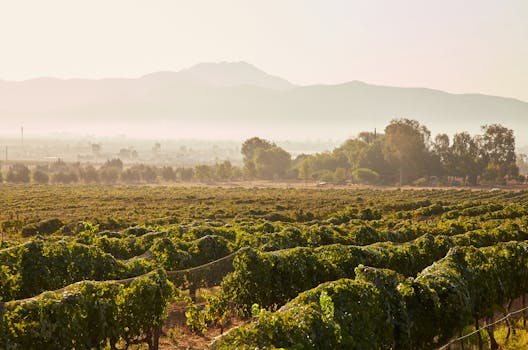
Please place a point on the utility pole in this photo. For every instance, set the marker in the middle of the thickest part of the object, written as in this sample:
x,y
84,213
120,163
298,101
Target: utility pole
x,y
22,134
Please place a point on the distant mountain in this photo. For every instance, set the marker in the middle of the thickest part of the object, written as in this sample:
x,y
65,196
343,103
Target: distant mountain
x,y
217,95
233,74
223,74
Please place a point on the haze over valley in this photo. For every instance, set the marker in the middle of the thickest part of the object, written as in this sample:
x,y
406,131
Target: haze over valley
x,y
247,174
236,100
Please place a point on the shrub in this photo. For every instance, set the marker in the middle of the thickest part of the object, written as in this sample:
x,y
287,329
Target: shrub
x,y
40,176
65,177
109,175
365,176
18,173
44,227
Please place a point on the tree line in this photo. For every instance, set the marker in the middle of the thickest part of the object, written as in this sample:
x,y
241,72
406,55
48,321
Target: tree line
x,y
114,171
405,153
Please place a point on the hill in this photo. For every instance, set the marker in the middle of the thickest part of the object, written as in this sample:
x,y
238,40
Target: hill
x,y
225,95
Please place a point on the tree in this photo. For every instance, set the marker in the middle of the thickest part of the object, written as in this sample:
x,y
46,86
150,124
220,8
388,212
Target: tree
x,y
168,173
224,170
109,174
367,136
131,175
149,174
467,157
522,163
499,144
58,165
65,177
441,149
89,174
113,163
185,174
271,163
352,149
18,173
249,149
372,157
406,146
110,170
365,176
40,176
340,175
204,173
321,164
305,170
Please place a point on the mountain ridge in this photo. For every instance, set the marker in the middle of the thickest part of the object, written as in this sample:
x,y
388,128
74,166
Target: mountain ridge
x,y
229,93
185,70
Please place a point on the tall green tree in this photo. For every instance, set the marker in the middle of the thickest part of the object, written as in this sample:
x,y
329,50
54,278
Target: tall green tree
x,y
204,173
249,149
18,173
441,146
353,149
305,170
499,144
522,163
272,163
40,176
406,146
224,170
372,157
467,158
89,174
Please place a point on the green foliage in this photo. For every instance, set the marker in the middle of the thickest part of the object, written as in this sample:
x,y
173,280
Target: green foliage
x,y
298,239
274,278
9,283
88,233
365,176
64,177
466,158
40,176
271,163
249,149
404,154
168,255
196,320
327,305
405,145
87,314
128,246
44,227
18,173
499,145
216,309
305,322
37,266
381,310
109,174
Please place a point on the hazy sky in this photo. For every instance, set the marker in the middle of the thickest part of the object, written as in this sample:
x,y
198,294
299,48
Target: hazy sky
x,y
454,45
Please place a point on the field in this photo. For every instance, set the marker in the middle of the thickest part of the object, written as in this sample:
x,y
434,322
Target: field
x,y
178,267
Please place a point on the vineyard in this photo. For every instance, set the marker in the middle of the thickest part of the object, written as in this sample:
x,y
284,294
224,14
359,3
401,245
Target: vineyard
x,y
137,267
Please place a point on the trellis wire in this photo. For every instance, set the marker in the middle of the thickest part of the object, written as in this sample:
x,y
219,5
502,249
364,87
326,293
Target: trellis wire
x,y
486,326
